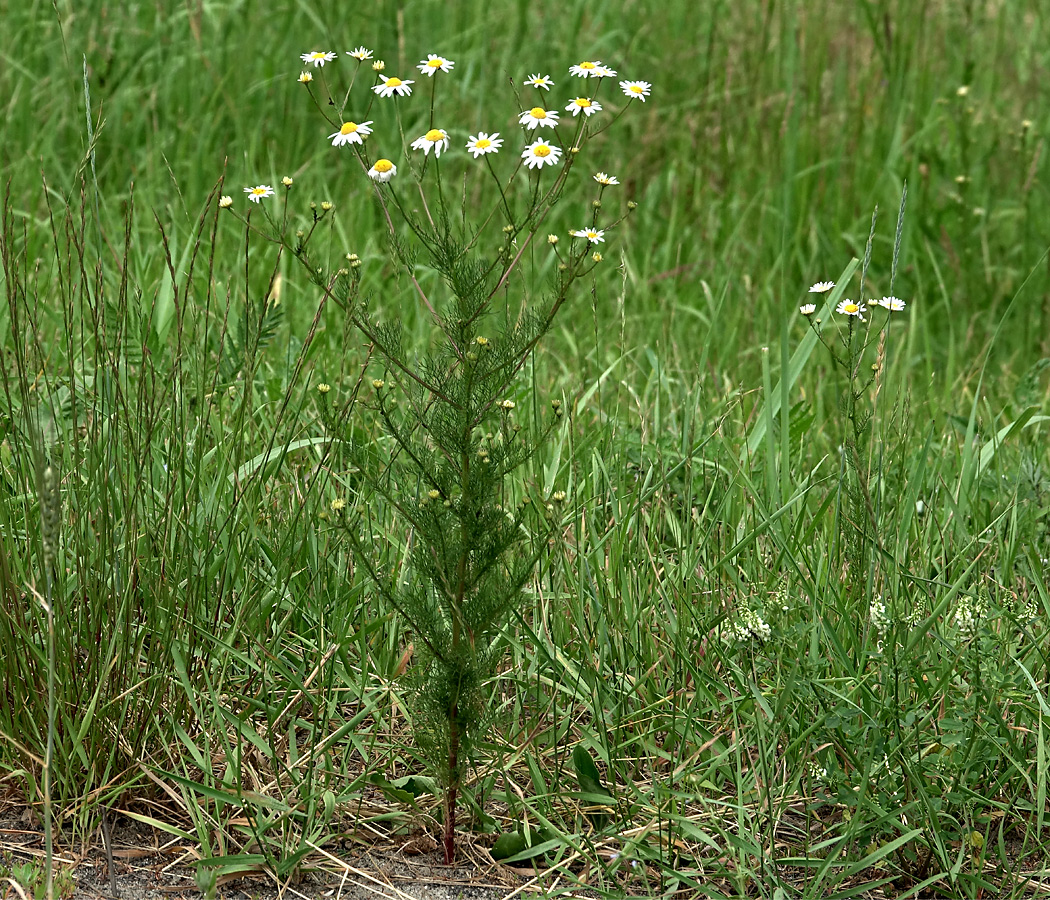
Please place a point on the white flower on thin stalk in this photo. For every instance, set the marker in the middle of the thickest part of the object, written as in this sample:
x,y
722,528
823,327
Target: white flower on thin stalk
x,y
436,139
807,309
360,53
604,179
382,170
636,90
541,153
594,235
538,117
539,81
585,105
969,612
433,64
484,143
880,619
849,308
588,69
893,304
351,133
318,57
259,192
393,85
748,626
822,287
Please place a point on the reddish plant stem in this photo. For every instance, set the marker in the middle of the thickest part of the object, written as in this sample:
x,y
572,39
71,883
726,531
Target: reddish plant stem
x,y
451,791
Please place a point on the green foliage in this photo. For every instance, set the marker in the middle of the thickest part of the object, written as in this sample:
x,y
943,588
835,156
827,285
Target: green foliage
x,y
228,670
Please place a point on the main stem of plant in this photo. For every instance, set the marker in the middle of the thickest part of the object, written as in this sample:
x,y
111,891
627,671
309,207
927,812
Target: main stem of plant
x,y
452,789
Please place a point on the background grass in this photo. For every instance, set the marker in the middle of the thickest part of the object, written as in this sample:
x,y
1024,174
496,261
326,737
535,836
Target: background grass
x,y
222,668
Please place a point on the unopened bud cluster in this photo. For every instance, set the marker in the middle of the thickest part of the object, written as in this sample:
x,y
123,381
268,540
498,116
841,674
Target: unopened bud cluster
x,y
50,512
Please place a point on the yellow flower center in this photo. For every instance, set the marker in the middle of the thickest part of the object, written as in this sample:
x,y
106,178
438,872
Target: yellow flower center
x,y
637,88
588,65
383,165
582,102
435,63
483,144
434,135
393,82
348,128
258,192
851,307
538,112
316,55
541,151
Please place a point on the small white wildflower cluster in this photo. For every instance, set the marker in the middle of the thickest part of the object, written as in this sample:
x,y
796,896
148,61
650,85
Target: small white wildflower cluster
x,y
748,626
849,307
1028,610
539,153
880,620
816,771
917,616
968,614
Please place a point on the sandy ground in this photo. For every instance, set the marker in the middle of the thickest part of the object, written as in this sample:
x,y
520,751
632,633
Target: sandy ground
x,y
142,869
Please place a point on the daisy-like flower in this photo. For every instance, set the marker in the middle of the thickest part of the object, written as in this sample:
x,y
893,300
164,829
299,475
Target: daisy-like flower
x,y
225,201
539,81
604,179
360,53
588,69
305,77
538,116
849,308
436,139
807,309
433,64
259,192
822,287
539,154
585,105
484,143
636,90
605,72
893,304
594,235
351,133
318,57
382,170
393,85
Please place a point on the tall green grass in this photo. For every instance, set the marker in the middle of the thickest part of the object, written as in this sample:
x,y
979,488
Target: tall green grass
x,y
221,670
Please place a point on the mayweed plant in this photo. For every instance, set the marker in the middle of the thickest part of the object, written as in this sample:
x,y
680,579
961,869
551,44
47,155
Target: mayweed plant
x,y
849,346
452,444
